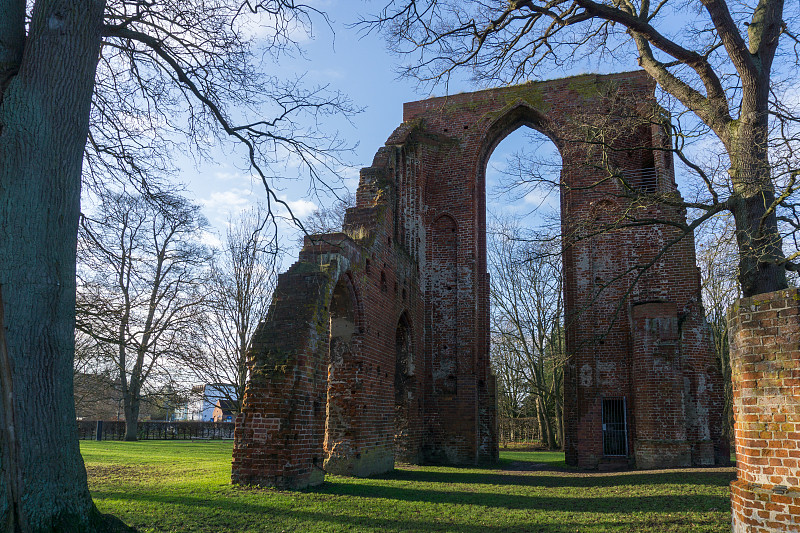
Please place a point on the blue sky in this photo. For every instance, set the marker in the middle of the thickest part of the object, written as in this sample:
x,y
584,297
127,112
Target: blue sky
x,y
360,66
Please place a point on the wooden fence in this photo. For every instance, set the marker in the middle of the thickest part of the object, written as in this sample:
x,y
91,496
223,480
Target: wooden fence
x,y
155,430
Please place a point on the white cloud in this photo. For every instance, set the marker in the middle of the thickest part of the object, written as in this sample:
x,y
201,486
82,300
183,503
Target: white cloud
x,y
350,176
301,208
542,196
231,200
210,239
265,27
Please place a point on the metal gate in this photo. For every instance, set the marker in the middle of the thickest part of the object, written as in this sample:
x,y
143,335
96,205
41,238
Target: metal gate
x,y
615,431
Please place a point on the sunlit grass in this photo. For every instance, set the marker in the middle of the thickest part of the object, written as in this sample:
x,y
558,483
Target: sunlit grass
x,y
185,486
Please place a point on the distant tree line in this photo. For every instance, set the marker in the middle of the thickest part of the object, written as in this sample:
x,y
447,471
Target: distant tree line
x,y
158,307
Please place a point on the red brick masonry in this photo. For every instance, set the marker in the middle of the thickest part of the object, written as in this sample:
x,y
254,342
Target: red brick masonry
x,y
376,345
765,361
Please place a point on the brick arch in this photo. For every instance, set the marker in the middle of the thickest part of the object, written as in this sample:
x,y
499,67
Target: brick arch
x,y
606,336
406,391
404,319
516,116
420,222
512,118
495,130
346,282
344,357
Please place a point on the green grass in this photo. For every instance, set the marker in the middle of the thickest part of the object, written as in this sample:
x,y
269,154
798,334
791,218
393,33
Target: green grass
x,y
550,459
185,487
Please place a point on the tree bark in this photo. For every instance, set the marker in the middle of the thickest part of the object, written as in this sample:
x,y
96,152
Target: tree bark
x,y
44,121
759,241
544,421
560,424
131,417
540,421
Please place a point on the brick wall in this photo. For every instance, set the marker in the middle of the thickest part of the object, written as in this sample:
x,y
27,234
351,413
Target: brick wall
x,y
381,331
765,364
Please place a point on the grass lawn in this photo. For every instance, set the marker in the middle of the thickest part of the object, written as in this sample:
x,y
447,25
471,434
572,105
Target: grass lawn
x,y
185,486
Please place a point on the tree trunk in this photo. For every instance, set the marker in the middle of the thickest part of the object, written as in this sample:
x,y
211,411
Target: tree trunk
x,y
44,120
760,244
551,438
131,399
131,417
540,422
559,425
544,421
757,236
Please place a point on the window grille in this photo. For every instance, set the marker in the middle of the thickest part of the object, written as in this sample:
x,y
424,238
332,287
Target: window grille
x,y
615,430
645,180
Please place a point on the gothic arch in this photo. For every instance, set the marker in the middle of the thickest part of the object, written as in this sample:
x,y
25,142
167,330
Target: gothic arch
x,y
406,393
516,116
341,433
420,220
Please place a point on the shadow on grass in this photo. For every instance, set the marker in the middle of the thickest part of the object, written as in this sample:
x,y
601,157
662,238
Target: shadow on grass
x,y
721,478
624,521
598,504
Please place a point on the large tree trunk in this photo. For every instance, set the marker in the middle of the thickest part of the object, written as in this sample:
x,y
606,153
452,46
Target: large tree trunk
x,y
758,239
760,250
540,422
44,117
131,416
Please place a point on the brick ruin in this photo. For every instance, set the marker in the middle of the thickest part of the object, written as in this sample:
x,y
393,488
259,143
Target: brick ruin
x,y
376,346
765,366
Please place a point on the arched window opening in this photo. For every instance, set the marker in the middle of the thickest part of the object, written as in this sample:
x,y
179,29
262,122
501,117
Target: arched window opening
x,y
523,181
339,438
405,392
523,245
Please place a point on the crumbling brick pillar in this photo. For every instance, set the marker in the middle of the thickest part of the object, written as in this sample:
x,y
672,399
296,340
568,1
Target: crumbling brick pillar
x,y
660,440
765,361
280,431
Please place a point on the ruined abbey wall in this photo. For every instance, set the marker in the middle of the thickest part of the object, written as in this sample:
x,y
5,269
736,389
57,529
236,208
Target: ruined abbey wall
x,y
765,366
376,347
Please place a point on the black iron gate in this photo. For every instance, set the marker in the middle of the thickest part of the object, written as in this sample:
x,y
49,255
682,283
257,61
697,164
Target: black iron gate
x,y
615,434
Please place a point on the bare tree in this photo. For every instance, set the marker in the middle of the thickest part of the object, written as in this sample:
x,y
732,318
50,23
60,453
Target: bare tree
x,y
95,388
329,219
718,64
155,58
188,68
716,257
511,385
527,319
141,284
243,276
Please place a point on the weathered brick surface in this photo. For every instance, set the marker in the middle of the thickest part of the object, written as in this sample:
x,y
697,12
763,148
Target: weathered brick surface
x,y
399,314
765,365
